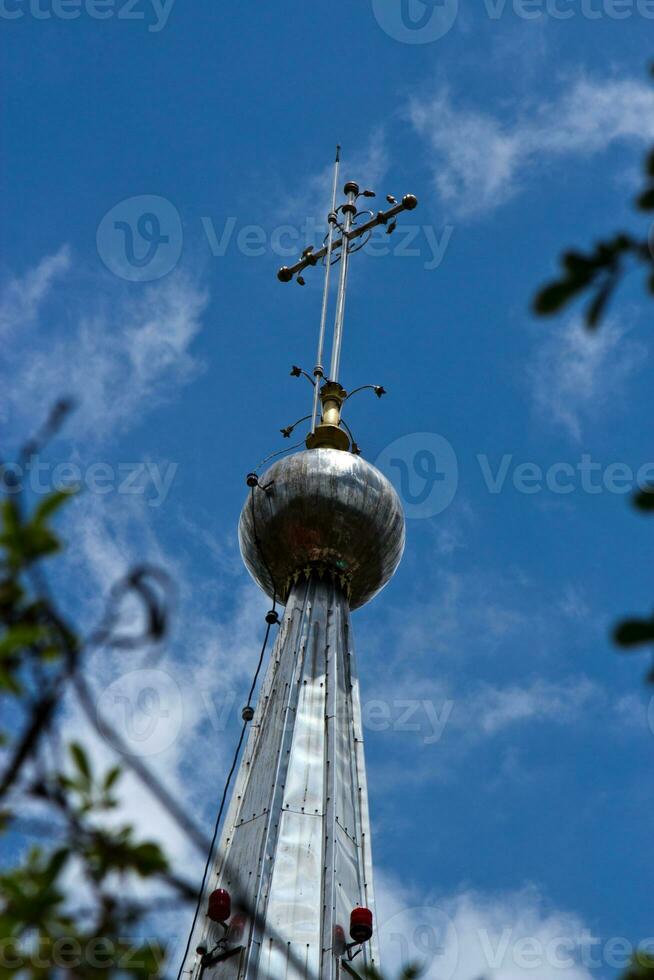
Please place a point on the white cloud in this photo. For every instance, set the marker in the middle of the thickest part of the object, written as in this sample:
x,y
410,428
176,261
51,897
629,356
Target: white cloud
x,y
482,160
177,707
573,604
118,358
21,298
312,197
494,708
574,373
468,935
119,351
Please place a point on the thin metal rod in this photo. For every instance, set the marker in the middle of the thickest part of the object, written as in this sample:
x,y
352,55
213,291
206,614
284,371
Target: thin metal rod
x,y
318,371
342,284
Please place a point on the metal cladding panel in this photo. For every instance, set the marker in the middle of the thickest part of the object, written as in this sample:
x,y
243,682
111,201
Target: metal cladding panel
x,y
295,889
294,847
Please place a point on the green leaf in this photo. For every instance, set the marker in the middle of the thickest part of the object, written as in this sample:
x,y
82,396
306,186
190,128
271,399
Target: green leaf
x,y
111,777
641,968
148,859
644,499
81,760
10,517
576,264
51,504
10,683
646,200
55,865
20,636
596,309
38,541
634,632
553,297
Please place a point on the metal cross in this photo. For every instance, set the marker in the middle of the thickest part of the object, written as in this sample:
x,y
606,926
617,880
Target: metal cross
x,y
347,233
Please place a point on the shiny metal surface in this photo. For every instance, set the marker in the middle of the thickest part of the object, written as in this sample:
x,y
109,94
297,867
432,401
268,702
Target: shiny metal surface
x,y
295,846
327,510
318,371
349,212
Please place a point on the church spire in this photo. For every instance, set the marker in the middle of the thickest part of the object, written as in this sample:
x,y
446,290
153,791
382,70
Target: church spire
x,y
290,893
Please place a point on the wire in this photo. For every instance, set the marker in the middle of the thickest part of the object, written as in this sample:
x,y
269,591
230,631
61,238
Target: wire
x,y
286,449
256,673
233,766
211,849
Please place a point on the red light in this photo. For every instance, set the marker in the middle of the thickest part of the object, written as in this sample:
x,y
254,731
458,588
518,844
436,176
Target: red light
x,y
361,925
220,905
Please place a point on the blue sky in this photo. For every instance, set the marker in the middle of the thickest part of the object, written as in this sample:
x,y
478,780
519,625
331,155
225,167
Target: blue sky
x,y
509,744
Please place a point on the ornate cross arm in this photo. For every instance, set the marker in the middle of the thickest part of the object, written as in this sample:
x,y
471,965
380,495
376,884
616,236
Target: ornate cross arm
x,y
311,257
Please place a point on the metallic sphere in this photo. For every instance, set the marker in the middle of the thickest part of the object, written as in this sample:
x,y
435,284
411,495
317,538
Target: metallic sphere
x,y
324,509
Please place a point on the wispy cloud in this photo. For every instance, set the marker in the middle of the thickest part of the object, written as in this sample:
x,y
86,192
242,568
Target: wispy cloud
x,y
574,374
470,934
481,160
167,704
117,353
312,198
495,708
21,297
